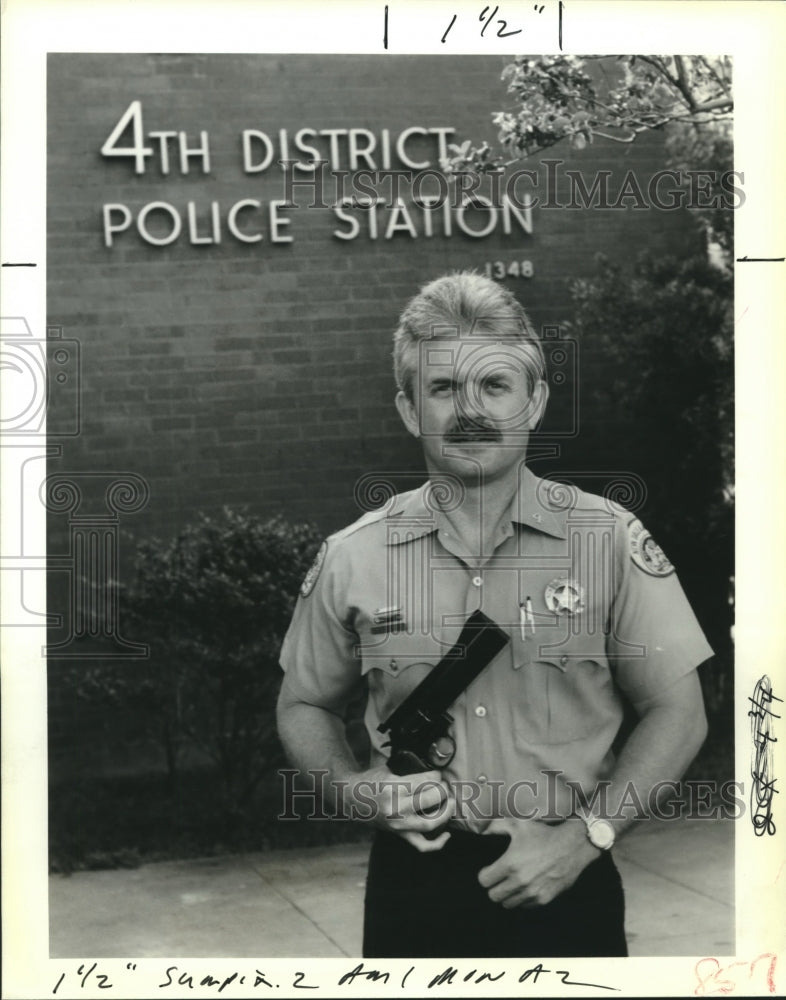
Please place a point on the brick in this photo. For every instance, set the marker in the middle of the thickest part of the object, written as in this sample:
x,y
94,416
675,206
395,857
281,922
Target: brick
x,y
277,357
171,423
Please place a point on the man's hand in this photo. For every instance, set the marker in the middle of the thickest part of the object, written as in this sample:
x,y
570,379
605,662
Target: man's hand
x,y
540,863
400,804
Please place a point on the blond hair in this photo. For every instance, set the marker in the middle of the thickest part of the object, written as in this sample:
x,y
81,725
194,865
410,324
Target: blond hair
x,y
463,304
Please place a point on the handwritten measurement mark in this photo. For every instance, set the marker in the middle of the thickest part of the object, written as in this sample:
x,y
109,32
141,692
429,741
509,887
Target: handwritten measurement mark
x,y
385,38
501,32
487,16
561,5
20,265
90,976
488,21
762,787
448,28
103,980
760,260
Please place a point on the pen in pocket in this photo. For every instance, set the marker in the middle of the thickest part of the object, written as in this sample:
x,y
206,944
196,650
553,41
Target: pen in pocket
x,y
526,618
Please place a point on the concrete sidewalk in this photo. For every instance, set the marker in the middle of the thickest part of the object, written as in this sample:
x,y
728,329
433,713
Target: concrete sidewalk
x,y
678,876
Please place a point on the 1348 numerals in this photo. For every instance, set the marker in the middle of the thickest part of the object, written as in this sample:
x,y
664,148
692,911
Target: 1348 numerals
x,y
499,269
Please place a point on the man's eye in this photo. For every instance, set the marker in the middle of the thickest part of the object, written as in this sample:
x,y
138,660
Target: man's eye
x,y
440,388
496,385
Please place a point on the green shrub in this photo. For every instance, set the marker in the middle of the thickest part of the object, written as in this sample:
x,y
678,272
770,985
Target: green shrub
x,y
664,329
213,605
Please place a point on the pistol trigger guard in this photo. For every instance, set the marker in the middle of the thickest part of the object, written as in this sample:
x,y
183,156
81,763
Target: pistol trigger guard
x,y
405,762
442,757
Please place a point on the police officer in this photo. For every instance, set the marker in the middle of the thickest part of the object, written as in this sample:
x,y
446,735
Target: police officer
x,y
506,850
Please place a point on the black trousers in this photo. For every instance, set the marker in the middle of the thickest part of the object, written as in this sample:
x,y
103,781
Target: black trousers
x,y
432,906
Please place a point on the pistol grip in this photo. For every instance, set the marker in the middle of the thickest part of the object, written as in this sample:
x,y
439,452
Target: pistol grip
x,y
406,762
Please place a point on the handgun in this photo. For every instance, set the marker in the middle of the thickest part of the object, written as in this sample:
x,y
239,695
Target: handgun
x,y
420,727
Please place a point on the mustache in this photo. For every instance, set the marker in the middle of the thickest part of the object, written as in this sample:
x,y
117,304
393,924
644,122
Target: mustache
x,y
465,431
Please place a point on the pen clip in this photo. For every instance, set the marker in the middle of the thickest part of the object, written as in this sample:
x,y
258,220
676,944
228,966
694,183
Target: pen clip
x,y
530,616
526,619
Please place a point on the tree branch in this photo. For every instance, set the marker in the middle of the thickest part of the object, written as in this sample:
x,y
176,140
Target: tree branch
x,y
718,104
661,68
618,138
718,78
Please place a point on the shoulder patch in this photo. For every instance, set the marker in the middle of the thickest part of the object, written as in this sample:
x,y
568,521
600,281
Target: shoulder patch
x,y
312,575
645,551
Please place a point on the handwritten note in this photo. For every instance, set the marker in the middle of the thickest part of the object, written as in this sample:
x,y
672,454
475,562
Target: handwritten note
x,y
748,976
491,21
762,783
182,979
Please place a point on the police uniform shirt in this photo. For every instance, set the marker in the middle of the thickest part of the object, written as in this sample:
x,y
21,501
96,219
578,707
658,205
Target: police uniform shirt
x,y
593,609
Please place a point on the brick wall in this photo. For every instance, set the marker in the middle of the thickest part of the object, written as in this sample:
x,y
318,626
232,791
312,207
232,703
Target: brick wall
x,y
259,374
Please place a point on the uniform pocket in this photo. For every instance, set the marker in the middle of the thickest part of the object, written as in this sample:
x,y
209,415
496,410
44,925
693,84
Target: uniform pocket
x,y
394,664
580,693
396,652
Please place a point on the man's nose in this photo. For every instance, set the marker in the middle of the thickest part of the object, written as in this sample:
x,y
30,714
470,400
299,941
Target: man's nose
x,y
471,405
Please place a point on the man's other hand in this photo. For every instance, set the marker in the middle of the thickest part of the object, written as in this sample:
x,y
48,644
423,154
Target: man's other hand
x,y
540,862
410,806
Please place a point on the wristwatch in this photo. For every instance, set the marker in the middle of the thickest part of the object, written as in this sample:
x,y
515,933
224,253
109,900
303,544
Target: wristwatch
x,y
599,832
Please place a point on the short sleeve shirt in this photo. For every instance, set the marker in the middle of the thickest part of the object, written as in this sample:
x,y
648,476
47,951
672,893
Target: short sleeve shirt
x,y
592,608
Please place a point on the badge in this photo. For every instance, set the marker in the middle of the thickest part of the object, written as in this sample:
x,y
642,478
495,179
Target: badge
x,y
645,551
564,596
312,575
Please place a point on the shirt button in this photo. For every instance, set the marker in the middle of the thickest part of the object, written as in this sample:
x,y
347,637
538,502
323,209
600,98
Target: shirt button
x,y
563,660
482,779
478,581
480,711
394,666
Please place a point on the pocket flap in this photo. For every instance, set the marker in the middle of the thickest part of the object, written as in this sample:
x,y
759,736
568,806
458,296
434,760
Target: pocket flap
x,y
397,651
572,651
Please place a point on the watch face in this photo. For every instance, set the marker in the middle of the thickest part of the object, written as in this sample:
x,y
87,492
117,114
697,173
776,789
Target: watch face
x,y
601,834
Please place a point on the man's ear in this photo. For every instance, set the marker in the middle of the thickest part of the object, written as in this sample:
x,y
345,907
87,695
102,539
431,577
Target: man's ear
x,y
537,403
408,414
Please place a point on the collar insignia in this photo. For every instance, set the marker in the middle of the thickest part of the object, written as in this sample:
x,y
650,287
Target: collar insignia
x,y
388,620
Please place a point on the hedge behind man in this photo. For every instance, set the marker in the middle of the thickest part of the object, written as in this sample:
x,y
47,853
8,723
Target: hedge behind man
x,y
513,862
